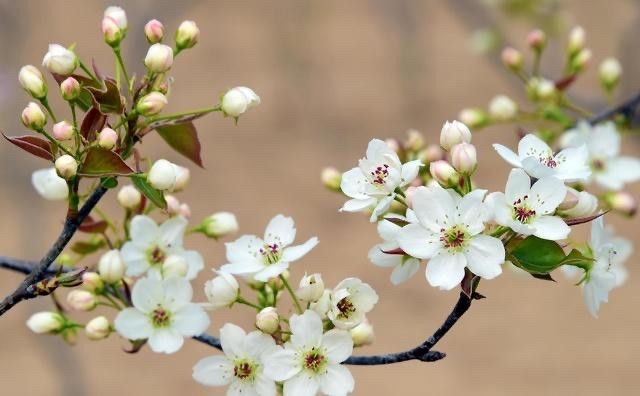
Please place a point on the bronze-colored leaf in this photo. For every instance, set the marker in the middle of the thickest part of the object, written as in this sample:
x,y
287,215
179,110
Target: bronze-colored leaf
x,y
33,145
93,123
100,162
184,139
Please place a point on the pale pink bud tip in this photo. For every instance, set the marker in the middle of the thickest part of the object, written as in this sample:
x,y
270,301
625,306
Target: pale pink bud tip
x,y
107,138
159,58
154,31
187,35
63,130
70,88
512,58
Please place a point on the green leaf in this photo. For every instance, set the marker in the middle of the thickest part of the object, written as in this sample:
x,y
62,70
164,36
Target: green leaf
x,y
87,247
577,259
155,196
184,139
107,98
536,255
110,182
100,162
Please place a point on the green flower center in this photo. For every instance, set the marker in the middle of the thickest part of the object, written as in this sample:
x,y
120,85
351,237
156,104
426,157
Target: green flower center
x,y
521,210
271,254
454,239
156,255
245,370
160,317
314,360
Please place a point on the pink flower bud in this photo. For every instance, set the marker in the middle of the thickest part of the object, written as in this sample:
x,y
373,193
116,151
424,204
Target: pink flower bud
x,y
464,158
184,210
159,58
173,204
32,81
107,138
111,32
154,31
512,58
63,130
537,40
151,104
81,300
118,15
415,140
623,202
187,35
453,133
432,152
67,166
33,117
70,88
444,173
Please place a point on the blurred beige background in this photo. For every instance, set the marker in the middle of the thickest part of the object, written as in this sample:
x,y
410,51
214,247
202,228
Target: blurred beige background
x,y
332,75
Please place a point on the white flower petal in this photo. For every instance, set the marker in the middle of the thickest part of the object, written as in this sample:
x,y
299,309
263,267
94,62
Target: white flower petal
x,y
214,371
165,341
337,381
358,205
301,385
573,164
280,230
294,253
434,207
508,155
418,242
500,209
135,257
147,294
172,231
264,386
231,339
550,227
244,249
338,345
402,272
537,169
353,184
257,343
546,194
604,140
410,171
280,364
271,271
133,324
518,185
446,271
379,149
388,230
143,230
627,169
306,329
382,207
377,257
485,256
195,262
190,321
177,293
242,268
532,146
49,185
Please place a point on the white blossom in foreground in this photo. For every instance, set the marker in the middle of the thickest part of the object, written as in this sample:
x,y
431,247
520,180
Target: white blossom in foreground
x,y
266,258
600,279
162,313
373,183
60,60
49,185
350,300
449,234
151,245
538,160
529,210
311,361
404,266
241,367
609,169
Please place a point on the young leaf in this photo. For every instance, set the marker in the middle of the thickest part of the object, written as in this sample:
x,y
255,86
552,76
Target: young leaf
x,y
32,144
184,139
582,220
91,226
107,98
536,255
155,196
100,162
93,123
577,259
87,247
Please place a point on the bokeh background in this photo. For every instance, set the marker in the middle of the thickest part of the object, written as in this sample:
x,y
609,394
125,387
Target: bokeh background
x,y
332,75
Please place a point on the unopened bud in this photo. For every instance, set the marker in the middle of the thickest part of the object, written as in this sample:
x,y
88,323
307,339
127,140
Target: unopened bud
x,y
62,130
92,282
60,60
154,31
159,58
111,266
238,100
219,224
537,40
151,104
444,173
331,178
512,58
222,291
183,175
581,60
586,204
45,322
609,73
362,334
111,32
118,15
98,328
107,138
577,38
162,175
409,194
187,35
174,266
622,201
502,108
32,81
415,140
453,133
473,117
267,320
67,166
33,117
432,152
70,89
129,197
184,210
464,158
311,288
82,300
542,89
571,199
173,204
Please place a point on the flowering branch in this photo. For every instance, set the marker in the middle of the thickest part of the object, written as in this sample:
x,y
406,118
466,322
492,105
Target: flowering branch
x,y
71,224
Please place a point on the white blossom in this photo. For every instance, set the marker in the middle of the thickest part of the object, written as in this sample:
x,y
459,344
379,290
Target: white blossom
x,y
269,257
49,185
162,313
222,291
529,210
350,300
60,60
151,245
600,280
449,234
373,183
311,361
538,160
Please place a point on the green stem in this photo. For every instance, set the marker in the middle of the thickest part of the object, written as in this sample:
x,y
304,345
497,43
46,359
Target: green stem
x,y
467,183
186,113
241,300
116,51
293,295
55,142
88,71
45,103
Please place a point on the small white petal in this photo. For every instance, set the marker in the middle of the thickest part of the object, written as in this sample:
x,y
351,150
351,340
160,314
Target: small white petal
x,y
280,364
377,257
294,253
177,292
135,257
213,371
337,381
402,272
147,294
418,242
143,230
301,385
190,321
508,155
485,256
195,262
532,146
446,271
338,344
231,338
271,271
165,341
280,230
546,194
133,324
172,231
306,329
550,227
353,184
410,171
358,205
518,185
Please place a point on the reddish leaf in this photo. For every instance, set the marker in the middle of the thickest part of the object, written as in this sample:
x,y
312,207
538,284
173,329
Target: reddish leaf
x,y
32,144
470,283
394,251
582,220
565,82
184,139
93,123
100,162
107,98
85,100
91,226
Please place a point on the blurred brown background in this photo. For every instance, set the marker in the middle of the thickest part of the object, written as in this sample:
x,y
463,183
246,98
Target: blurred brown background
x,y
332,75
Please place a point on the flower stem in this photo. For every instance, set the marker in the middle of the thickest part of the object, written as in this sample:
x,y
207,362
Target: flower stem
x,y
116,51
45,103
293,295
55,142
88,71
241,300
186,113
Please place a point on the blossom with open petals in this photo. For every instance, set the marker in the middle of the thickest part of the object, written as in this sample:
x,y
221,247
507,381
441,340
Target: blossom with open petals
x,y
349,301
269,257
373,183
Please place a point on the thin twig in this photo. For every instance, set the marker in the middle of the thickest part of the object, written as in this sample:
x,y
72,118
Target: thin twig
x,y
626,108
70,227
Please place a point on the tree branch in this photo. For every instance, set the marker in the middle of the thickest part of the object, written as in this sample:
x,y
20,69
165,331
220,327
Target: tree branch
x,y
626,108
23,292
